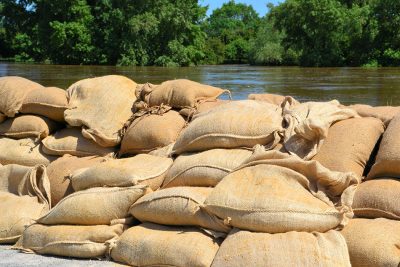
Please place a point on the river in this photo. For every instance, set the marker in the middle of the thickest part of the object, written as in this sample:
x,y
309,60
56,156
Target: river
x,y
373,86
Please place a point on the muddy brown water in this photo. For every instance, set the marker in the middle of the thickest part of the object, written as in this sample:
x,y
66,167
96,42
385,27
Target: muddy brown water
x,y
375,86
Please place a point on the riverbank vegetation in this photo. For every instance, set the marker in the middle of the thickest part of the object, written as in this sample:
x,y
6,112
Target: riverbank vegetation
x,y
178,33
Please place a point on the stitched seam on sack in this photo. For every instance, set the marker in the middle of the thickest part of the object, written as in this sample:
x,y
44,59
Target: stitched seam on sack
x,y
276,211
199,166
55,243
170,196
45,105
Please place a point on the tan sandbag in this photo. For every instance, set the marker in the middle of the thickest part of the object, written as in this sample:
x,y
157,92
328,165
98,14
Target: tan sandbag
x,y
101,105
94,206
373,242
60,170
307,125
378,198
233,125
178,93
349,144
155,245
12,177
205,168
142,169
271,98
243,248
177,206
202,107
25,152
50,102
28,126
151,131
384,113
69,240
387,163
13,90
164,152
70,141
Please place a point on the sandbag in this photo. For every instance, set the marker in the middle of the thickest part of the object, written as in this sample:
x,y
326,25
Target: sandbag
x,y
373,242
387,163
205,168
308,124
164,152
202,107
178,93
378,198
13,90
61,169
12,178
152,131
25,152
233,125
384,113
101,105
70,141
301,195
349,144
141,169
94,206
271,98
69,240
177,206
2,118
155,245
243,248
50,102
26,126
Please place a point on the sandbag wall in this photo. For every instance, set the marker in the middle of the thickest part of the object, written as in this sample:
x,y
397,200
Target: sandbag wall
x,y
169,175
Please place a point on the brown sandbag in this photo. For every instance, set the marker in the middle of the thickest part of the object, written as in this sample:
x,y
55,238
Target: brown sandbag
x,y
233,125
142,169
373,242
94,206
102,106
69,240
12,178
177,206
70,141
155,245
308,124
50,102
349,144
387,163
152,131
180,93
384,113
164,152
60,170
204,168
243,248
202,107
378,198
13,90
271,98
25,152
28,126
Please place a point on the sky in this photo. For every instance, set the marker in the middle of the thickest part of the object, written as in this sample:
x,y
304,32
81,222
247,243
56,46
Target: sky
x,y
259,5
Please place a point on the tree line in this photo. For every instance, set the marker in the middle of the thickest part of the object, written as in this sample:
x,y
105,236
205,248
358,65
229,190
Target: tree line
x,y
178,33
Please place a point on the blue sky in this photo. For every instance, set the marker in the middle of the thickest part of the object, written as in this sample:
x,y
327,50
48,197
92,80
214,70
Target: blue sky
x,y
259,5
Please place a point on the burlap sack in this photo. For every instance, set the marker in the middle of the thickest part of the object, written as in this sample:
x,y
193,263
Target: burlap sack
x,y
142,169
373,242
378,198
70,141
349,144
164,152
102,105
69,240
13,91
151,131
155,245
205,168
271,98
307,125
233,125
28,126
282,193
387,163
60,170
94,206
384,113
179,93
202,107
12,178
177,206
243,248
25,152
50,102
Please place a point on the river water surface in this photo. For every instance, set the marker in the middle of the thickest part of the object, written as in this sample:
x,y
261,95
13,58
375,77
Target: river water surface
x,y
375,86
